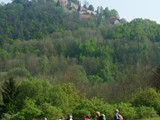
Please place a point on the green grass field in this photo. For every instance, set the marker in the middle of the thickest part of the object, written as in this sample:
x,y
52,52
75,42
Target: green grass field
x,y
152,119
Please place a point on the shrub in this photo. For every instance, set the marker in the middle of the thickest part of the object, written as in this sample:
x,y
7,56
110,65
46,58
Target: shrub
x,y
84,108
109,111
126,110
148,97
145,112
102,107
29,112
89,107
51,112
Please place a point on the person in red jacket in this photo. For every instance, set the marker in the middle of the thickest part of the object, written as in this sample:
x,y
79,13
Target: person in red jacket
x,y
87,118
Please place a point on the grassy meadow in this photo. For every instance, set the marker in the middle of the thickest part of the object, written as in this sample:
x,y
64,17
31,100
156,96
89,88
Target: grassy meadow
x,y
158,118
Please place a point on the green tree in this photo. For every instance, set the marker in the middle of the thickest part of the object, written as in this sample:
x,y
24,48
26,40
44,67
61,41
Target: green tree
x,y
3,58
58,3
99,16
51,112
148,97
43,64
38,90
156,78
84,108
19,1
74,1
123,107
109,14
91,7
8,91
29,111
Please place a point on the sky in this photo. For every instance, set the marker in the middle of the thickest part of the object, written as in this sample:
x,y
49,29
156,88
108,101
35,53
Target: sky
x,y
128,9
131,9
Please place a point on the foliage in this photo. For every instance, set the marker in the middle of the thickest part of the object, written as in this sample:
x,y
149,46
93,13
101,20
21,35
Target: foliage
x,y
39,99
145,112
148,98
66,64
29,111
15,72
51,112
90,7
156,78
89,108
8,92
84,108
128,112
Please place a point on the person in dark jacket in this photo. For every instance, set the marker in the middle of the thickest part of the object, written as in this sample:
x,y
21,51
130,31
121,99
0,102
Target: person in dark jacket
x,y
99,116
69,117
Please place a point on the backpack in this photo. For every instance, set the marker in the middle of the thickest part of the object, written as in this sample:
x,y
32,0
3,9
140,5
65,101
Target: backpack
x,y
103,116
120,117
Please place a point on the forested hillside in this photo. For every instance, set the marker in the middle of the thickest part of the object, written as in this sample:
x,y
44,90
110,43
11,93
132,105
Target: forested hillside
x,y
54,62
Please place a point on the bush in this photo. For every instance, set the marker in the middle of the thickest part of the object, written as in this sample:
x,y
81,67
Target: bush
x,y
51,112
89,107
145,112
126,110
84,108
148,97
102,107
29,111
109,111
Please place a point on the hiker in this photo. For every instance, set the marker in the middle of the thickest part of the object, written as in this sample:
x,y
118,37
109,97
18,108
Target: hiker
x,y
87,118
100,116
117,116
62,118
69,117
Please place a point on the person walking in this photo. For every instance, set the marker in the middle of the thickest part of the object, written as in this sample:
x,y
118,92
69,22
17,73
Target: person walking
x,y
69,117
117,116
100,116
87,118
62,118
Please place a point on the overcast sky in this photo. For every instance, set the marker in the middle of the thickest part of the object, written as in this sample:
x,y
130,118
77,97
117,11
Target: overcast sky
x,y
129,9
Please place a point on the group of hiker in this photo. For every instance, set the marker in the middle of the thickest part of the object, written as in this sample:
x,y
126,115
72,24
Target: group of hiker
x,y
68,118
117,116
100,116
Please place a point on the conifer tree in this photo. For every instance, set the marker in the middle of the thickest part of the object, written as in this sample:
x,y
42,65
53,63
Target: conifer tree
x,y
156,79
8,92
